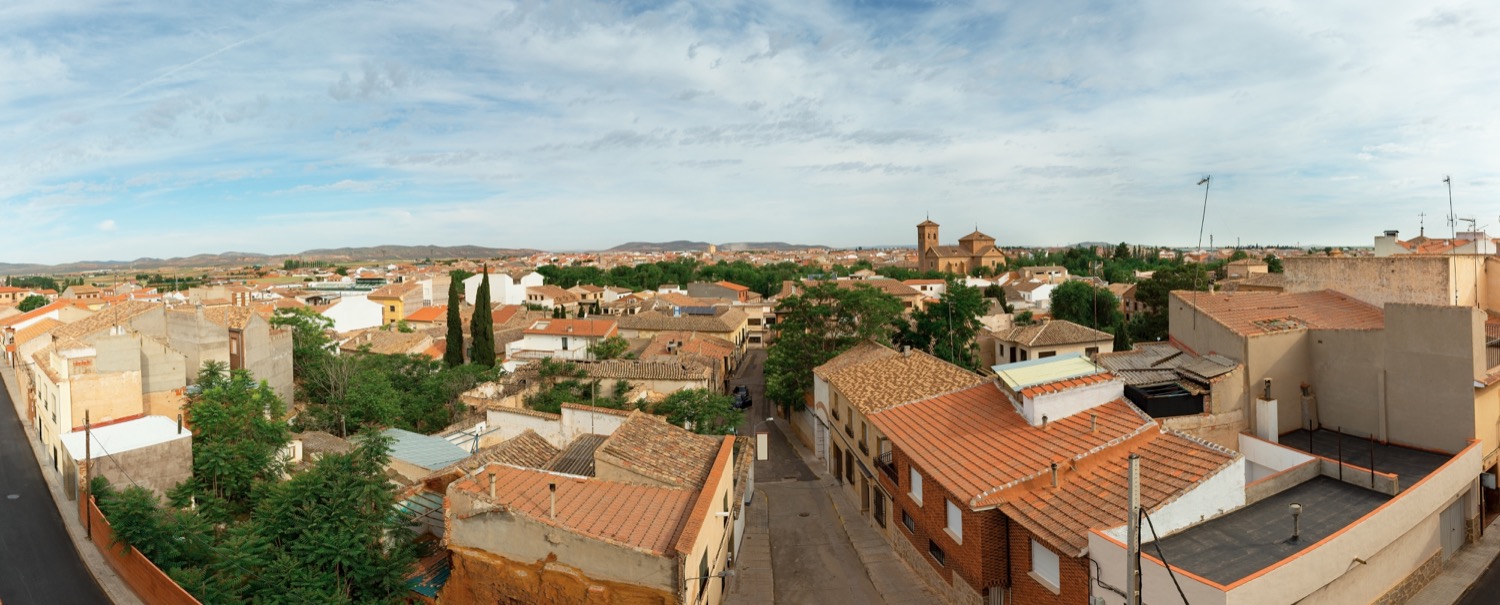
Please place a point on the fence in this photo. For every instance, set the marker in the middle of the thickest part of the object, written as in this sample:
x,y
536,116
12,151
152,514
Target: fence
x,y
151,584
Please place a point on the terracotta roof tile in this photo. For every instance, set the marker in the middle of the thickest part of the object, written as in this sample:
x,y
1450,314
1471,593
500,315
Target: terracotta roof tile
x,y
649,446
726,320
1094,495
887,380
429,314
1051,333
645,517
1066,384
1256,313
976,444
634,369
588,328
527,449
112,315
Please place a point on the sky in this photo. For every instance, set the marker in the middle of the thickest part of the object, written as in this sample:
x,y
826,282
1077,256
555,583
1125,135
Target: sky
x,y
171,128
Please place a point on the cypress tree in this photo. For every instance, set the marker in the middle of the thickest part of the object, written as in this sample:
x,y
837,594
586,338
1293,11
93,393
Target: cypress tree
x,y
1122,337
453,355
481,328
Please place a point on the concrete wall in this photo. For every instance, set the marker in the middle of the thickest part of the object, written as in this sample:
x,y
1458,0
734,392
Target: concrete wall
x,y
482,577
1399,279
163,369
1433,356
558,430
354,312
268,356
1057,406
158,467
522,539
198,339
712,513
1207,499
1348,371
104,397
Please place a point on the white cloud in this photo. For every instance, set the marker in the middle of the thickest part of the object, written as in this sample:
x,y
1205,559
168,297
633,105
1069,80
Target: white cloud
x,y
700,121
107,225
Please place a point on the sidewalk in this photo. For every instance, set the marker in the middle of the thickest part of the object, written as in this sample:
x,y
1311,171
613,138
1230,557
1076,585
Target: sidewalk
x,y
1460,572
896,581
754,580
113,586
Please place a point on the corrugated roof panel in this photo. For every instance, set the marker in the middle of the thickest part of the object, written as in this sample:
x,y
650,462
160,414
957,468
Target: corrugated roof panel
x,y
429,452
1023,374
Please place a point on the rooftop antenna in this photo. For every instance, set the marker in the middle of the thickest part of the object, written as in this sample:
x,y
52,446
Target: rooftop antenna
x,y
1206,182
1452,224
1422,224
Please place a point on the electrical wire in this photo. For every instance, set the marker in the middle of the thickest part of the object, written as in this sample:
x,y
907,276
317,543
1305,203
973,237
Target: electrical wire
x,y
1156,542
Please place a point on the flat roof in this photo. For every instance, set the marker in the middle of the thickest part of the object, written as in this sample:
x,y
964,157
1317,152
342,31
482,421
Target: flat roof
x,y
1023,374
125,436
426,451
1409,465
1255,537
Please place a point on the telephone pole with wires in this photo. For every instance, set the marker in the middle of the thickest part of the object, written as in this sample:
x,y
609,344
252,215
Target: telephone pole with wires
x,y
1206,182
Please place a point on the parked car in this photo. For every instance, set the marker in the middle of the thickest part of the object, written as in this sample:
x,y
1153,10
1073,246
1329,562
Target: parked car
x,y
742,397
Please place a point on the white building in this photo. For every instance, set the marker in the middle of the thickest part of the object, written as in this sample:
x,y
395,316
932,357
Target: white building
x,y
505,288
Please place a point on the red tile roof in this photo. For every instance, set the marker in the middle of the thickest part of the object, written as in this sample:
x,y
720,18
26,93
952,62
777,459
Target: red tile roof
x,y
1066,384
732,286
1257,313
637,516
1093,495
882,381
975,443
648,445
502,314
428,314
594,328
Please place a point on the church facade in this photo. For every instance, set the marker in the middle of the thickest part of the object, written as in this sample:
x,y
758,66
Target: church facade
x,y
973,251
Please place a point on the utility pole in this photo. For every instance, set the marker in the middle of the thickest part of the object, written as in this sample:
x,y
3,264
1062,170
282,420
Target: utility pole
x,y
1453,225
88,480
1133,533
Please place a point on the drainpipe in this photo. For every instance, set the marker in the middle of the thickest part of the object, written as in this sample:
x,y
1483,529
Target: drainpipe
x,y
1007,550
1380,398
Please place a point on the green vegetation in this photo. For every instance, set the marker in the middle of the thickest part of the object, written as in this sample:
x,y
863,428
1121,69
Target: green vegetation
x,y
1273,263
1087,305
239,429
453,351
613,347
326,535
706,412
32,303
566,382
39,282
1153,294
347,393
293,264
481,326
765,279
817,325
948,327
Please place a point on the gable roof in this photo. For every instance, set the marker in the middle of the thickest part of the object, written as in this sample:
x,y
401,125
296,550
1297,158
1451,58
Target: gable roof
x,y
1258,313
648,445
527,449
634,369
976,444
111,315
887,380
1052,333
394,291
234,318
578,457
429,314
723,320
863,352
646,517
586,328
1094,495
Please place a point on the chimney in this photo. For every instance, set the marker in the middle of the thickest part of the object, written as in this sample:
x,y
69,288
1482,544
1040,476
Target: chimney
x,y
1391,232
1267,393
1093,423
492,484
1054,474
179,424
1044,422
552,501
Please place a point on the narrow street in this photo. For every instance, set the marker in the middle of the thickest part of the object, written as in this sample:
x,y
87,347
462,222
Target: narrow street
x,y
38,563
813,560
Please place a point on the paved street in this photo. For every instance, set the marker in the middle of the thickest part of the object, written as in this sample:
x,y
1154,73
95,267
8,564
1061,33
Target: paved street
x,y
812,557
38,563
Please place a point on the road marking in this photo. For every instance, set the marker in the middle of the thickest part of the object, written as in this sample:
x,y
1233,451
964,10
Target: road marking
x,y
13,496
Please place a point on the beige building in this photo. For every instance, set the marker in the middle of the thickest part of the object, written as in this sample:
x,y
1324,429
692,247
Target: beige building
x,y
1050,338
975,250
154,452
557,534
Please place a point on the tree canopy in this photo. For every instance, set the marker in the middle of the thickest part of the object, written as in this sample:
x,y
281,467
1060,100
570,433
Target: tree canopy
x,y
1085,304
948,327
239,430
31,303
453,352
703,411
482,326
818,324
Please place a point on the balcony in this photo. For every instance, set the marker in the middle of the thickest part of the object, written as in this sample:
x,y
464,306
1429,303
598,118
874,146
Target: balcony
x,y
863,448
849,430
887,465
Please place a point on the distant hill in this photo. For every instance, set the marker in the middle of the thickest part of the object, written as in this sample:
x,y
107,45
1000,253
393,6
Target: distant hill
x,y
691,246
236,259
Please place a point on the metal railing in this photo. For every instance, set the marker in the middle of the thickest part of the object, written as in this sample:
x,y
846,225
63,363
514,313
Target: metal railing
x,y
887,465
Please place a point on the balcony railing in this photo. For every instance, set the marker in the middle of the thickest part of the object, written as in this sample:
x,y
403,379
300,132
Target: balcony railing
x,y
864,448
849,430
887,465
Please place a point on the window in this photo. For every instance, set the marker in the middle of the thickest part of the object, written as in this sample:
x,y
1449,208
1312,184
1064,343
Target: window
x,y
1091,351
565,343
910,523
937,553
915,478
702,574
880,509
1045,354
955,522
393,308
1024,355
1044,567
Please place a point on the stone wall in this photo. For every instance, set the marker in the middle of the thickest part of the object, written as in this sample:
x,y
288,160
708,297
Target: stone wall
x,y
1414,583
482,577
1376,280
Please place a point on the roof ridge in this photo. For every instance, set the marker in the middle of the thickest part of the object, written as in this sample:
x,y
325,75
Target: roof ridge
x,y
973,502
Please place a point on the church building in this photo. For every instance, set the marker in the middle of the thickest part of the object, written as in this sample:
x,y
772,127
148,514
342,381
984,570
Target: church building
x,y
973,250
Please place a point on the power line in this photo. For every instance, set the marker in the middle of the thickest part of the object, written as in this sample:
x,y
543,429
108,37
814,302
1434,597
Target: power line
x,y
1156,542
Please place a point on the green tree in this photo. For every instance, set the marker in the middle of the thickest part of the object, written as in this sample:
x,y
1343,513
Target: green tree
x,y
1238,255
1084,304
1273,263
704,411
948,327
1153,294
818,324
31,303
613,347
310,341
239,432
1024,318
453,353
1122,337
1122,251
481,327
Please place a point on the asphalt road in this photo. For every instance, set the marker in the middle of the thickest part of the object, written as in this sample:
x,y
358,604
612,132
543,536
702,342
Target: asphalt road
x,y
813,559
1485,590
38,563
